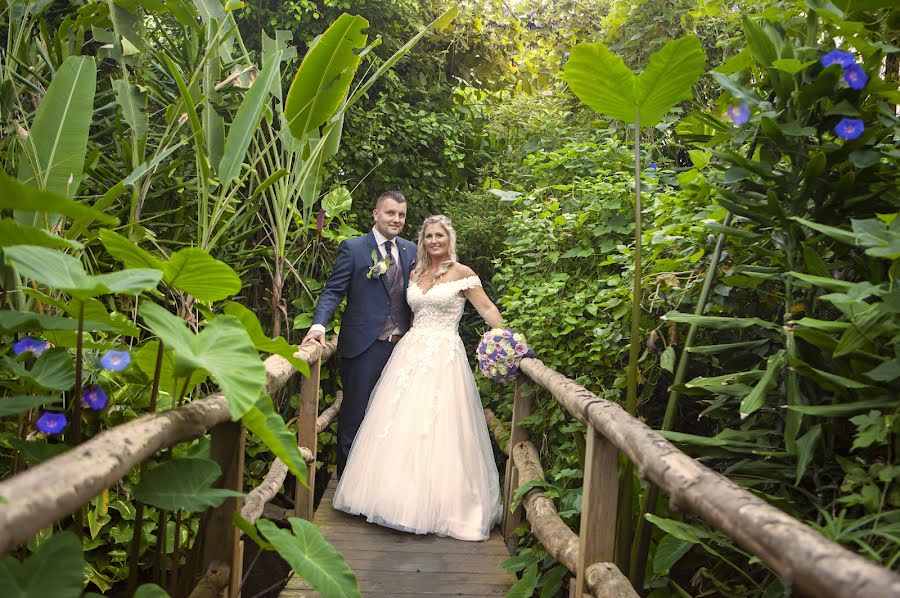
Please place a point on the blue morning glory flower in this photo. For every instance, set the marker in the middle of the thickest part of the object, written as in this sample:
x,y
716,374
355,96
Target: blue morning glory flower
x,y
738,113
840,57
849,128
30,345
94,397
51,423
855,76
115,360
652,166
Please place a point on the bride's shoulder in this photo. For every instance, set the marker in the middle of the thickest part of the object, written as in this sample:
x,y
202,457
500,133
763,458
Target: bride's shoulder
x,y
461,272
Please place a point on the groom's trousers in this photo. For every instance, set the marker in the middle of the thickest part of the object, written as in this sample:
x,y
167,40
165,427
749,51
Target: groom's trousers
x,y
359,375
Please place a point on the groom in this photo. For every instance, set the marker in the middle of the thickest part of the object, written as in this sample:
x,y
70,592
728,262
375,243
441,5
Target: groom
x,y
376,315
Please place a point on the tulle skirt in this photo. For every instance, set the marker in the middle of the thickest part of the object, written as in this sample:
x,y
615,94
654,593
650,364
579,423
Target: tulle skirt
x,y
422,460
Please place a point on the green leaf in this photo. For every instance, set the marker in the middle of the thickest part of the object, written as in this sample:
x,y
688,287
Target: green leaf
x,y
755,399
184,483
312,558
669,78
56,570
337,201
223,349
54,152
843,409
246,121
838,234
187,100
134,106
707,349
28,321
145,359
194,271
13,233
61,271
524,588
37,452
667,359
668,552
247,527
268,426
150,590
870,428
823,325
16,196
324,76
127,251
22,403
276,346
792,66
829,284
52,370
719,322
678,529
806,450
886,372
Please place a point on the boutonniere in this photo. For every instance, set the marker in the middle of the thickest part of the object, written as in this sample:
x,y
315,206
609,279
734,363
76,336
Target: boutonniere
x,y
379,266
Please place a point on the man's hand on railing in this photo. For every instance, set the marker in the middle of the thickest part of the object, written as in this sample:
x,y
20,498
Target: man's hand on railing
x,y
316,335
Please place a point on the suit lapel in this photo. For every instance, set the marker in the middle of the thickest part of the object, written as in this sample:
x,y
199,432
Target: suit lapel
x,y
372,245
405,261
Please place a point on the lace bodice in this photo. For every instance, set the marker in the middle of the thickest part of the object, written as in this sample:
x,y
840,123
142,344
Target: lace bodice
x,y
441,307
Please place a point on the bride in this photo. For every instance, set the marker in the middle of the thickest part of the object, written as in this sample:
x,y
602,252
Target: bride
x,y
422,460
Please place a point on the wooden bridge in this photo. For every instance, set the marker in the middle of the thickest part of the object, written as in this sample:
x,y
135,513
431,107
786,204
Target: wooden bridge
x,y
388,563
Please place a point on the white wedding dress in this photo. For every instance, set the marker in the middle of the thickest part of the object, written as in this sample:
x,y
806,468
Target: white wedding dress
x,y
422,460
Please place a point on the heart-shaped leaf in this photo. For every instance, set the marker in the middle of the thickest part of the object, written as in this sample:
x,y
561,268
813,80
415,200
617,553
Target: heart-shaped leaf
x,y
127,251
276,346
601,80
223,349
145,359
312,558
53,370
271,429
64,272
22,403
183,484
13,233
324,76
56,569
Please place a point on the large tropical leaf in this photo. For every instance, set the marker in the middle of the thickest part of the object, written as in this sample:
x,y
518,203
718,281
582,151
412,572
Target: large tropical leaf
x,y
223,349
29,321
64,272
13,233
276,346
245,122
133,103
184,483
601,80
56,569
324,76
17,196
54,151
52,370
271,429
312,558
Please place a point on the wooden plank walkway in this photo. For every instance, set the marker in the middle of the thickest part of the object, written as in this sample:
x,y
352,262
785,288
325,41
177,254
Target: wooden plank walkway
x,y
392,563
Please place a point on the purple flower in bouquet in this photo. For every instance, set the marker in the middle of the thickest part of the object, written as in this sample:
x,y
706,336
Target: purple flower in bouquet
x,y
849,128
855,76
837,57
115,361
30,345
499,353
51,423
94,397
738,113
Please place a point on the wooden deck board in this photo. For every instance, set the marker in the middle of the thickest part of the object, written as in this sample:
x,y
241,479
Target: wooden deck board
x,y
388,562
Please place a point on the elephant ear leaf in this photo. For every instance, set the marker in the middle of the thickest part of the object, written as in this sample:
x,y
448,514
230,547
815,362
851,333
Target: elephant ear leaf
x,y
601,80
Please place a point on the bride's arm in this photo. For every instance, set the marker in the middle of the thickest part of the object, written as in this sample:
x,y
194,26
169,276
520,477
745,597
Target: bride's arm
x,y
485,307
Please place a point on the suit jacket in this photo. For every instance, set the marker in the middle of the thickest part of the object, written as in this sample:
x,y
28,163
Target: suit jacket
x,y
368,301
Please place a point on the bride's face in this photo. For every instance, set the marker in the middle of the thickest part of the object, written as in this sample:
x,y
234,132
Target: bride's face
x,y
437,242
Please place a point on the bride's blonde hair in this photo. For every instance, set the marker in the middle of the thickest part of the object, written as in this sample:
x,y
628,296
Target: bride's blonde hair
x,y
423,261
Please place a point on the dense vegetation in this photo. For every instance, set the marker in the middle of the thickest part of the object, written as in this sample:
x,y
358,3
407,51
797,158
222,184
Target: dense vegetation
x,y
769,315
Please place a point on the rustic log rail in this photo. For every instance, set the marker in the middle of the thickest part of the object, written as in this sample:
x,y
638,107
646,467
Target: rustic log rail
x,y
805,560
62,485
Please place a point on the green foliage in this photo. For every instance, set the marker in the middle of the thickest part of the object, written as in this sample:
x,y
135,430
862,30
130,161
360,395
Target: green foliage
x,y
53,570
184,483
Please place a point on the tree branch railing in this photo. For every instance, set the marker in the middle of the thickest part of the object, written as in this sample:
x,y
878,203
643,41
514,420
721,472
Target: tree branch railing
x,y
804,559
40,496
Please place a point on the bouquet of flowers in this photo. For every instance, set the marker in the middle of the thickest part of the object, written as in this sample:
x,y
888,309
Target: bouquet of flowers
x,y
499,353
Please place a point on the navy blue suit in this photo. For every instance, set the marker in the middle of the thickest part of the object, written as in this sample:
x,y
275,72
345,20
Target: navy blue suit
x,y
363,357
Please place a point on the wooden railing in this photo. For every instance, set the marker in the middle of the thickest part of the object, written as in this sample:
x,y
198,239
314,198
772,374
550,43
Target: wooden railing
x,y
805,560
42,495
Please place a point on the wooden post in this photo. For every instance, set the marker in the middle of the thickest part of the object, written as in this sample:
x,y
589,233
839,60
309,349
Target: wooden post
x,y
307,436
511,520
599,506
220,536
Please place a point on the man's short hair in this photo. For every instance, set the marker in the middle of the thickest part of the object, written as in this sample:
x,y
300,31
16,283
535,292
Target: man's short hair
x,y
395,195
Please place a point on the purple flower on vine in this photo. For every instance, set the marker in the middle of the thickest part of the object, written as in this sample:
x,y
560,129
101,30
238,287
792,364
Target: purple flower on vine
x,y
855,76
115,360
51,423
320,220
94,397
30,345
840,57
849,128
738,113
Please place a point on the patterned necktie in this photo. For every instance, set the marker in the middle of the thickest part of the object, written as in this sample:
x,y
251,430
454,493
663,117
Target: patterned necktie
x,y
392,264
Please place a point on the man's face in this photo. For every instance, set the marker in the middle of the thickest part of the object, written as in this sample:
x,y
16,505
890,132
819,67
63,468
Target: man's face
x,y
390,218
